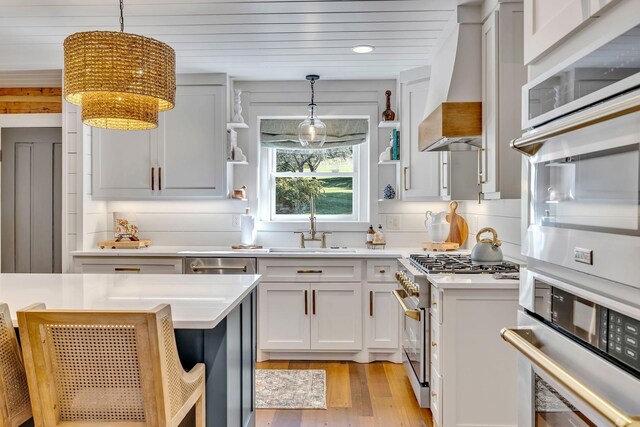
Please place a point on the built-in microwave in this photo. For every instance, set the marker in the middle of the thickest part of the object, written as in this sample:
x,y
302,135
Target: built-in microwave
x,y
600,72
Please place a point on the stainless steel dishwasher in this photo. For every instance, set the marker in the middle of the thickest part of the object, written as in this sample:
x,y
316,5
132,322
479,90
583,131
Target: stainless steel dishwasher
x,y
205,265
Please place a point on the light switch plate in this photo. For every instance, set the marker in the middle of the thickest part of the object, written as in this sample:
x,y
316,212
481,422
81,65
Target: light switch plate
x,y
393,222
235,221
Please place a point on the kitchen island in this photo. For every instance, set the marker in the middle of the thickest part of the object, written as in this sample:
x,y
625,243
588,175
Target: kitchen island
x,y
214,318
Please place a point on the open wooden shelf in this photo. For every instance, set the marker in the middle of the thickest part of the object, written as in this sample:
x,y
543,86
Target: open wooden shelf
x,y
389,124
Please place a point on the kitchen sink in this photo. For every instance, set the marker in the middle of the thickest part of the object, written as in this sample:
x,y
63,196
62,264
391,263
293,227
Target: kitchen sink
x,y
312,250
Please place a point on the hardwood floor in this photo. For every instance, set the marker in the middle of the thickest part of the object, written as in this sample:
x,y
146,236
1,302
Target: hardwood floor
x,y
358,395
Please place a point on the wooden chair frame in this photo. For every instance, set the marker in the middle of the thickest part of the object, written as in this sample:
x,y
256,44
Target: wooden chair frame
x,y
168,391
12,415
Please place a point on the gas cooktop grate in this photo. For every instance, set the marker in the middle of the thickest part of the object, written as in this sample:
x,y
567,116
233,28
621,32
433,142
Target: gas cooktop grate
x,y
459,264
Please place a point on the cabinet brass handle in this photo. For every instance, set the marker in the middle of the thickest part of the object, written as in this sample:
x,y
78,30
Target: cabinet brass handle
x,y
434,304
371,303
434,344
520,339
382,271
309,271
404,178
153,179
135,269
434,394
306,302
481,178
443,176
313,302
160,179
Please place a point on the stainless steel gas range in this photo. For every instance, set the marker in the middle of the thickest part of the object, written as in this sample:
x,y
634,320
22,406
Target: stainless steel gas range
x,y
413,295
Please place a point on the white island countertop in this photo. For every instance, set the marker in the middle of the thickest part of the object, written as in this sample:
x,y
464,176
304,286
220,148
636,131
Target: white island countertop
x,y
197,301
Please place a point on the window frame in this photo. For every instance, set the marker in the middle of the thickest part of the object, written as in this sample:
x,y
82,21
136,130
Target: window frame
x,y
355,198
361,189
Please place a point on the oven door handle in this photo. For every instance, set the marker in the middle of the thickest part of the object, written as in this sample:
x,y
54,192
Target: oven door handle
x,y
413,314
521,340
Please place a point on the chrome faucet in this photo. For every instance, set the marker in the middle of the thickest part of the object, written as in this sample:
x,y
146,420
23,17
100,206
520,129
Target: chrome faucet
x,y
312,227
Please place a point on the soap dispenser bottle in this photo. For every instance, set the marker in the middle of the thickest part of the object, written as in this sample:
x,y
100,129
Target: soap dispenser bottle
x,y
379,237
370,234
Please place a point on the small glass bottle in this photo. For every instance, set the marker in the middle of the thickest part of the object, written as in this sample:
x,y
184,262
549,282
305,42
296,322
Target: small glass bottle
x,y
370,234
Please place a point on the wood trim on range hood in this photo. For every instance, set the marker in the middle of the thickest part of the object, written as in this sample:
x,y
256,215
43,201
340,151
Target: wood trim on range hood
x,y
452,126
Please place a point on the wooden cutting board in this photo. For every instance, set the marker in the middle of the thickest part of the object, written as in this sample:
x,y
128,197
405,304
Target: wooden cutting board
x,y
458,228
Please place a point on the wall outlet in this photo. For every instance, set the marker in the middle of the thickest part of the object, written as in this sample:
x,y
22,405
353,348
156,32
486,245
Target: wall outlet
x,y
235,221
393,222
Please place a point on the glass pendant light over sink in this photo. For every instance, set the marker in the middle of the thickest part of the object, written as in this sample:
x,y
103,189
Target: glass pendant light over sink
x,y
120,80
312,132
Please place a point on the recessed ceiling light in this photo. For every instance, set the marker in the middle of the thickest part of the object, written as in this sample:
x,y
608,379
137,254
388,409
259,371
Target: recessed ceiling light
x,y
363,49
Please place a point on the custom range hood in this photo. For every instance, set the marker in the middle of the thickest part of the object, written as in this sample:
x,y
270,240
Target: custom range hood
x,y
454,108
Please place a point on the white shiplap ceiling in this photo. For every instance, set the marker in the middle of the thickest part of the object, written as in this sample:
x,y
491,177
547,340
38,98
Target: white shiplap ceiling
x,y
257,39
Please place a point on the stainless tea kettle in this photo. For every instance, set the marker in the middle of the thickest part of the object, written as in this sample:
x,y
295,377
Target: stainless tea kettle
x,y
487,250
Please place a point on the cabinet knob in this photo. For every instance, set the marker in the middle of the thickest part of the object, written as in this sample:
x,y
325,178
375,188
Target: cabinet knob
x,y
434,304
434,344
434,394
382,271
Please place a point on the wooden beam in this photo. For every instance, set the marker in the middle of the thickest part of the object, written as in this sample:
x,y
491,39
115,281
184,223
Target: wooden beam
x,y
30,100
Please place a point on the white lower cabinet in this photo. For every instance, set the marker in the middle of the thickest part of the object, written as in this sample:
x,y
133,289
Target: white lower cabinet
x,y
283,316
382,317
326,308
303,316
336,323
473,373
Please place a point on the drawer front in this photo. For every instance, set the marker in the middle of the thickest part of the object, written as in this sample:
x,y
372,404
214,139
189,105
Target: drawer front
x,y
129,266
310,270
382,270
435,343
436,396
436,304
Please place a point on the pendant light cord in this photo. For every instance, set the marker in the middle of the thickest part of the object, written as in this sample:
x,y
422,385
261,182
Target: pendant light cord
x,y
122,16
312,93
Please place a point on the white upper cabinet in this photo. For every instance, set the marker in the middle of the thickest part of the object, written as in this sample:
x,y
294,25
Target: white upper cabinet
x,y
421,171
192,150
123,163
547,22
503,75
185,157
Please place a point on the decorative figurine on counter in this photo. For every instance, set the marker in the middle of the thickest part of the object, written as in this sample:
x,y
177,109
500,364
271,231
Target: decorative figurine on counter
x,y
125,230
389,193
388,115
237,107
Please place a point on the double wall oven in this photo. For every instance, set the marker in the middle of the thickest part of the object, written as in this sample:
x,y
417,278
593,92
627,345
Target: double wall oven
x,y
578,333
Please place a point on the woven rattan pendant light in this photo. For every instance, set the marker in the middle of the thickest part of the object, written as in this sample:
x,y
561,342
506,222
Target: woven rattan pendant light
x,y
120,80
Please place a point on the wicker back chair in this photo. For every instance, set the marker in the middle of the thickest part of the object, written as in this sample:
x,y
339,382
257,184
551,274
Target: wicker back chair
x,y
15,406
92,368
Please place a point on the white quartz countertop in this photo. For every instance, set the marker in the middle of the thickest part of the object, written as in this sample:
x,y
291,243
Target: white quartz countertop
x,y
197,301
226,251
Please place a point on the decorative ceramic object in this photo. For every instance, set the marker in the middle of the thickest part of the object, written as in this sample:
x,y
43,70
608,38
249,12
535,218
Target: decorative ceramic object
x,y
388,115
389,192
385,156
235,153
125,226
237,107
240,193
